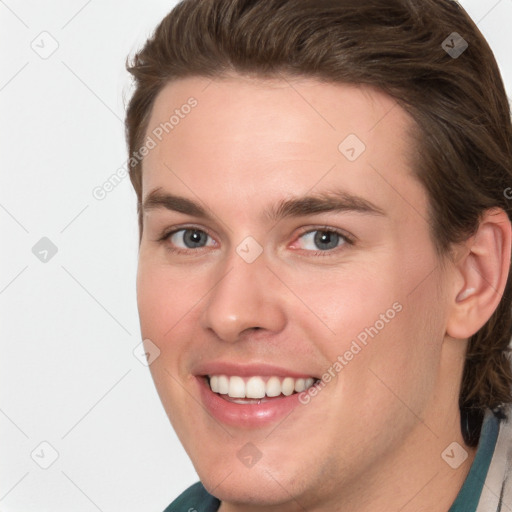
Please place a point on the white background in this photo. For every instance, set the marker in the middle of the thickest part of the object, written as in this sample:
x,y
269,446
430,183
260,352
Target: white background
x,y
69,325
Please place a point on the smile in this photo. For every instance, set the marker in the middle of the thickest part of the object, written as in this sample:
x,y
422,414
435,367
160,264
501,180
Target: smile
x,y
257,387
253,395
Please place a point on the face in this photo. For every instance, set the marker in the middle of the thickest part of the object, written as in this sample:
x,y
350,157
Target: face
x,y
285,243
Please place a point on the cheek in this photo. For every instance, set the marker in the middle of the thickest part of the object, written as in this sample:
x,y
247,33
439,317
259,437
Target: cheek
x,y
395,371
168,301
345,305
164,307
150,304
162,298
386,328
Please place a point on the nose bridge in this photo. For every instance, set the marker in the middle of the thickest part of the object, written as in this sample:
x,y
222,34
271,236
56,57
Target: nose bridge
x,y
243,297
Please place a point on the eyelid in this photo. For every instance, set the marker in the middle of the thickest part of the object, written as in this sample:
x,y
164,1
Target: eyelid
x,y
344,234
166,233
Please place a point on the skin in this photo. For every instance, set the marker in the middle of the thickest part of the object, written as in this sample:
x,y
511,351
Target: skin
x,y
372,438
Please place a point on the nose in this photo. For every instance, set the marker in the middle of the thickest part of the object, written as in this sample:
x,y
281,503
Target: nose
x,y
245,296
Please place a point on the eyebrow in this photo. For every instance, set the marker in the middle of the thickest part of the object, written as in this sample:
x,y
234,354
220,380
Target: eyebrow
x,y
327,201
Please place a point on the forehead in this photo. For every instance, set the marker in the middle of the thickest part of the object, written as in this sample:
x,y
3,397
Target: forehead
x,y
262,137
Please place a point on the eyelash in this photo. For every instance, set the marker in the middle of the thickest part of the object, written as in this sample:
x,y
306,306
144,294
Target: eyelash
x,y
347,240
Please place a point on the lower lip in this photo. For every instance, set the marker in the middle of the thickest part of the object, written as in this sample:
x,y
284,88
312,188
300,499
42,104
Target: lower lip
x,y
246,415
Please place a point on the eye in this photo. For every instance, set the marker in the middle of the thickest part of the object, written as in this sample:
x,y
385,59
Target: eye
x,y
323,240
185,239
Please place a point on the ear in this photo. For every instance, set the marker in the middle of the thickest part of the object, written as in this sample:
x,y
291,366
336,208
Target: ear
x,y
483,271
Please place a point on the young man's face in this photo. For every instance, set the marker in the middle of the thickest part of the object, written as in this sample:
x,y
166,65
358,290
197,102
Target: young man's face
x,y
353,296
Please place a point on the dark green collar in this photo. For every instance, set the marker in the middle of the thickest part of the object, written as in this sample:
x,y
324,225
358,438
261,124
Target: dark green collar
x,y
194,499
469,495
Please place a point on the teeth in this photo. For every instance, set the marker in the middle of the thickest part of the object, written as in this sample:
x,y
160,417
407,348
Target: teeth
x,y
300,385
258,387
214,383
255,388
236,387
223,385
288,386
273,387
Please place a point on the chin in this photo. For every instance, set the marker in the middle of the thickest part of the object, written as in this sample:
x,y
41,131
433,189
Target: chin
x,y
249,487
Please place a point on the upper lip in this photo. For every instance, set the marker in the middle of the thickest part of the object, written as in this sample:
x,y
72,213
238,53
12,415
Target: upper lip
x,y
247,370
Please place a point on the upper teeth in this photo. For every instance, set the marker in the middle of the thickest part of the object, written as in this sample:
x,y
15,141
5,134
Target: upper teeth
x,y
257,387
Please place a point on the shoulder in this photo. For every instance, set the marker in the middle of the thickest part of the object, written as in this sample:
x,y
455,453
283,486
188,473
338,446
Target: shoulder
x,y
497,490
194,499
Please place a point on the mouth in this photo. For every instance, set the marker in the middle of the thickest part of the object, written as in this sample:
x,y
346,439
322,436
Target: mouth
x,y
249,400
255,395
256,389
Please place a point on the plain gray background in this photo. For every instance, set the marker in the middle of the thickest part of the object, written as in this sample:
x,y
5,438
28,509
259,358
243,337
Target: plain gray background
x,y
74,397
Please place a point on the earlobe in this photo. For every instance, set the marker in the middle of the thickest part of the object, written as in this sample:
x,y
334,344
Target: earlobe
x,y
484,272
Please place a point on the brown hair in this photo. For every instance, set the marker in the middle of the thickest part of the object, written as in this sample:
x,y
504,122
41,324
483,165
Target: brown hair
x,y
459,104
